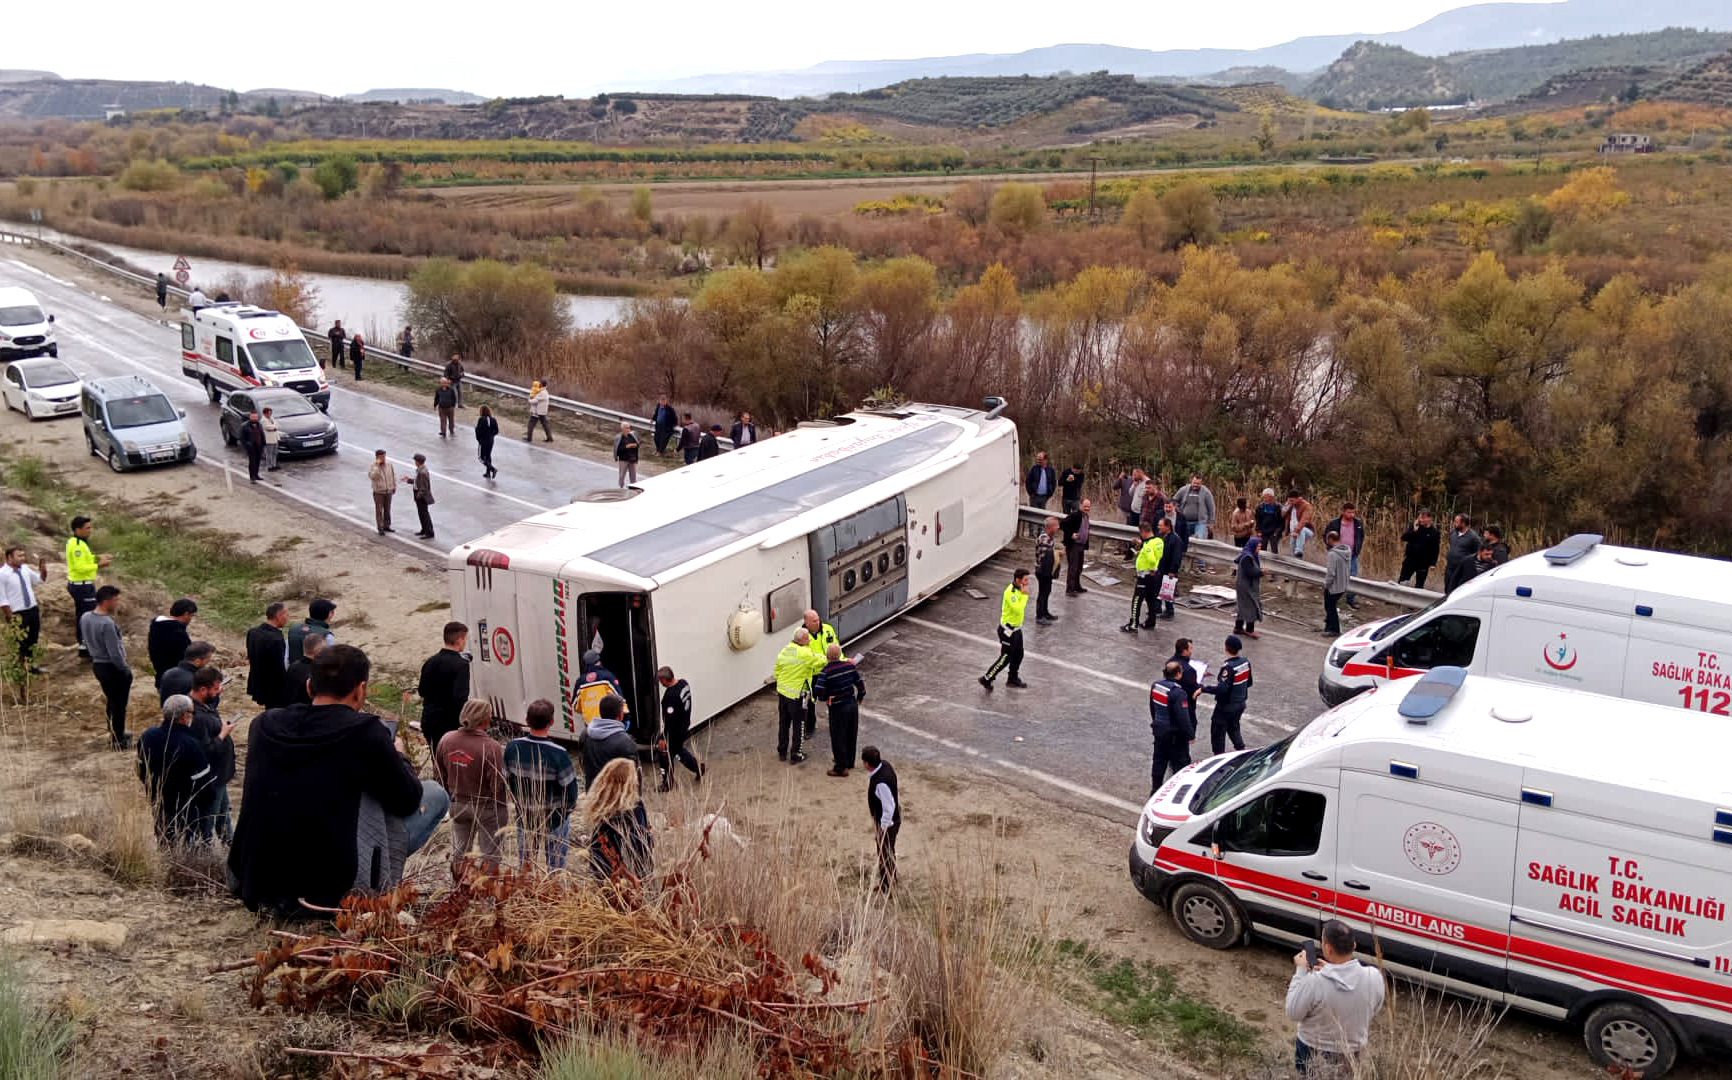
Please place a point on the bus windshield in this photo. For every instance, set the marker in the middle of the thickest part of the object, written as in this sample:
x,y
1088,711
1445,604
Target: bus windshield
x,y
281,355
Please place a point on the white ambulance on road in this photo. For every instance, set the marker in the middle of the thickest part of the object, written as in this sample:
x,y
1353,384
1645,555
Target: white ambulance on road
x,y
1543,849
1584,615
234,346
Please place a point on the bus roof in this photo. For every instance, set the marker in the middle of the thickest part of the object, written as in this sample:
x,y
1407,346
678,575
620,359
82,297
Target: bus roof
x,y
669,520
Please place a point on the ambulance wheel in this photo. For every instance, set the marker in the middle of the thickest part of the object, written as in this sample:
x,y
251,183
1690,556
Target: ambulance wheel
x,y
1207,915
1621,1035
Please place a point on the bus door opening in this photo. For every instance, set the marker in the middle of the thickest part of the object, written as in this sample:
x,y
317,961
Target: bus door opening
x,y
621,623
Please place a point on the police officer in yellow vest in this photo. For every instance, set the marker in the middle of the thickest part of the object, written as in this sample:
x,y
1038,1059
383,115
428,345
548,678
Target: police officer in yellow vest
x,y
822,636
796,665
1148,586
81,567
1010,614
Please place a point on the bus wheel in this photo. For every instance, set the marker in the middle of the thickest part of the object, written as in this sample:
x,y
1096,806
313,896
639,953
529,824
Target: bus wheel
x,y
1207,915
1621,1035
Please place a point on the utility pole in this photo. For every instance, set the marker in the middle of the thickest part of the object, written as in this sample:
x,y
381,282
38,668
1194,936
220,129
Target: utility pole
x,y
1093,162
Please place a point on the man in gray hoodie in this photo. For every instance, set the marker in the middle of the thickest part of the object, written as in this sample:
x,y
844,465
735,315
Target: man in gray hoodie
x,y
1196,504
1332,1002
1337,579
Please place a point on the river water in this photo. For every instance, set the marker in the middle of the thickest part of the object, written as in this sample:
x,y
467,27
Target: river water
x,y
369,305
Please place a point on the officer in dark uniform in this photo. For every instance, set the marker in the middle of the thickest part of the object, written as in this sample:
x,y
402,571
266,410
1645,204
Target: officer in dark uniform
x,y
1232,688
1172,723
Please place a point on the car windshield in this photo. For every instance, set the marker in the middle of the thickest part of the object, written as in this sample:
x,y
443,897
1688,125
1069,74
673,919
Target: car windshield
x,y
21,315
281,355
1240,775
1400,621
139,411
288,405
37,376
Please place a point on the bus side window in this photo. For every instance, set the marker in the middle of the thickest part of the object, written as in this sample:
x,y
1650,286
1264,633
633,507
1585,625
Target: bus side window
x,y
188,340
225,350
785,605
1447,640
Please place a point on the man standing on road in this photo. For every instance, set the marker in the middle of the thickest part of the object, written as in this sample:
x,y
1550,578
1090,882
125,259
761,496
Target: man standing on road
x,y
1147,588
1333,1003
795,666
1172,724
1010,612
253,442
108,662
168,638
1045,567
1268,515
454,375
690,438
625,451
1070,484
666,421
1196,504
1352,531
744,433
357,354
444,685
338,338
1231,691
1457,566
1172,559
1076,546
1421,545
841,688
383,478
1040,482
422,485
268,657
19,582
81,567
273,435
538,401
162,292
883,801
671,746
445,404
486,431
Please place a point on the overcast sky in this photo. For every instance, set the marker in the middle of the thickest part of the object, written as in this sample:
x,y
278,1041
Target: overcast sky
x,y
509,47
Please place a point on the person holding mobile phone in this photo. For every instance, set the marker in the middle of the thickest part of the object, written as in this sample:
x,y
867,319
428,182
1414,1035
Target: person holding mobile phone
x,y
215,736
1333,997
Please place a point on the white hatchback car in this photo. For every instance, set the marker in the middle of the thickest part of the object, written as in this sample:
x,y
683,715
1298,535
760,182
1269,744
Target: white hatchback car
x,y
41,388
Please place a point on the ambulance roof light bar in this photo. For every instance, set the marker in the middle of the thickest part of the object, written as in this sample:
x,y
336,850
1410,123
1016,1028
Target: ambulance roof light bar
x,y
1434,690
1572,548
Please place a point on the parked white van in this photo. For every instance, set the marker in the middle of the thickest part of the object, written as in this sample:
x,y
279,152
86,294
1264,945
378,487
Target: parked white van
x,y
1535,847
233,346
25,330
1585,615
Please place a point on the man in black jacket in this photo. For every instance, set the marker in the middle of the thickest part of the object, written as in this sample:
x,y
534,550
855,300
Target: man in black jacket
x,y
1172,558
1458,568
338,339
268,657
329,803
840,686
169,638
1172,723
710,444
445,404
1271,520
252,439
1075,530
676,727
1070,484
1040,483
1187,676
1423,543
884,802
744,433
214,738
178,679
625,449
295,690
604,739
666,422
1045,568
175,773
444,685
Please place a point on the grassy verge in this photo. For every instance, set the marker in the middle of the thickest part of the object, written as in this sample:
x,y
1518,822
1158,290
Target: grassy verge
x,y
202,563
33,1042
1146,998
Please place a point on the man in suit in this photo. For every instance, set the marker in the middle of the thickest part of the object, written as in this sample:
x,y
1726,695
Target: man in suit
x,y
745,432
1075,529
666,421
268,657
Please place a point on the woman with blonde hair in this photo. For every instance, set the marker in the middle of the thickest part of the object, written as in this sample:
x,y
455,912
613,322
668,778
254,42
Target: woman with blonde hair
x,y
620,841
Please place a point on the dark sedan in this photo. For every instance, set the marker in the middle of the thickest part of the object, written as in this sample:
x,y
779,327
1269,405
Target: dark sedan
x,y
304,430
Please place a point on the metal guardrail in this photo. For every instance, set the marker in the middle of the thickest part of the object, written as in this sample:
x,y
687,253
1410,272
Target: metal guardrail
x,y
1273,563
319,338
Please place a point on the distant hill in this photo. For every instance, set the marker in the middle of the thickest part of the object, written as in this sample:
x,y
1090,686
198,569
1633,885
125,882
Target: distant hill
x,y
995,102
94,99
418,96
1373,76
1482,26
13,75
1708,83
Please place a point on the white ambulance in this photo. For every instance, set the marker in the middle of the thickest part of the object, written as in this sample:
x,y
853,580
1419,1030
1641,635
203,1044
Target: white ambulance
x,y
234,346
1584,615
1540,848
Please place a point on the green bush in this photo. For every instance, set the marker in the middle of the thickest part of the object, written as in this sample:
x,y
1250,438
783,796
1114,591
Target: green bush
x,y
145,175
33,1043
335,175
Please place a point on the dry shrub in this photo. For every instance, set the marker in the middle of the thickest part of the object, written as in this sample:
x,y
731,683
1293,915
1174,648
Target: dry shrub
x,y
1421,1034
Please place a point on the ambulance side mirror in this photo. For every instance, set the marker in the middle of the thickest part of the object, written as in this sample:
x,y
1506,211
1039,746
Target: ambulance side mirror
x,y
1217,845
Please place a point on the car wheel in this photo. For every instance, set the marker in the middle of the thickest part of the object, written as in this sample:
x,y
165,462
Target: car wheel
x,y
1207,915
29,414
210,388
228,436
1624,1036
116,460
54,351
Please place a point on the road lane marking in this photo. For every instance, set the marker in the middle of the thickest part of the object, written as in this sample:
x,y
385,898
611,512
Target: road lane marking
x,y
1022,770
449,479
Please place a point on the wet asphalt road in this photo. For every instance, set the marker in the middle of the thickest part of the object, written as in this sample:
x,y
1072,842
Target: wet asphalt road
x,y
1078,735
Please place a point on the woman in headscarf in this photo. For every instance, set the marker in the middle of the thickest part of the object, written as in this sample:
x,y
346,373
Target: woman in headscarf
x,y
1248,585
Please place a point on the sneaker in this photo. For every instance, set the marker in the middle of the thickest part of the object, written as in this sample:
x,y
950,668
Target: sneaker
x,y
795,759
986,682
1128,628
1017,683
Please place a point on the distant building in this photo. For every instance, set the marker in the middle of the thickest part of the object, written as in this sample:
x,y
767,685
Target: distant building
x,y
1626,143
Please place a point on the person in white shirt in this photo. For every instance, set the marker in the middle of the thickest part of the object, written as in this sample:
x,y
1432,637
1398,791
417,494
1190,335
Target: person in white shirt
x,y
19,582
197,299
1333,1002
272,434
881,800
